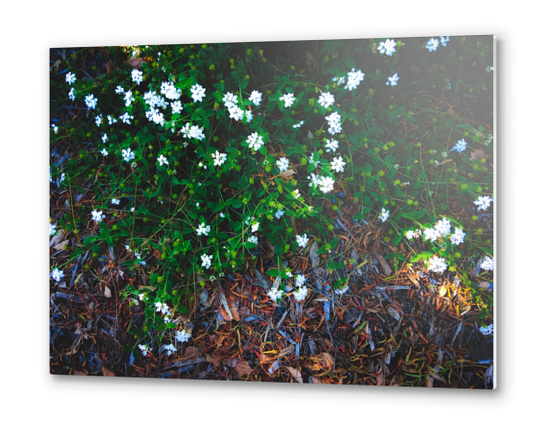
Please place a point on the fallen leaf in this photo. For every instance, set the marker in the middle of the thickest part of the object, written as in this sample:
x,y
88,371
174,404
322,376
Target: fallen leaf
x,y
385,267
231,362
326,359
223,313
234,310
107,292
296,374
243,368
61,245
477,154
314,380
135,62
286,351
212,359
286,174
191,353
379,377
392,312
108,67
315,257
107,372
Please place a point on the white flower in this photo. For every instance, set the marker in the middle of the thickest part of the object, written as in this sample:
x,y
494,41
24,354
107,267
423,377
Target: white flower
x,y
443,227
104,152
431,234
128,98
255,97
137,76
206,260
337,164
255,227
52,229
283,164
326,184
458,236
437,264
115,201
192,131
176,107
392,80
253,239
384,215
169,90
444,40
162,160
275,294
410,234
339,292
432,45
332,145
248,115
98,120
126,118
144,349
302,240
255,141
198,92
298,125
296,193
483,202
111,120
461,146
71,94
222,215
339,80
236,113
203,229
387,47
315,180
55,128
230,100
288,99
132,210
486,331
127,154
62,176
142,296
91,101
279,214
219,158
57,274
182,336
334,122
104,138
300,279
301,293
487,264
354,78
326,99
97,216
169,349
119,89
70,78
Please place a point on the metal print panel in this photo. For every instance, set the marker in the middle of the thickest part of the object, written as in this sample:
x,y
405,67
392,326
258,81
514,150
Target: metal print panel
x,y
315,212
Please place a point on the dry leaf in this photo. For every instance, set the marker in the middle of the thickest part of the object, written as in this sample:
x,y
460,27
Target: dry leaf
x,y
107,292
314,380
477,154
326,359
212,359
315,257
385,267
243,368
108,67
61,245
135,62
191,353
234,310
107,372
296,374
392,312
231,362
223,313
379,377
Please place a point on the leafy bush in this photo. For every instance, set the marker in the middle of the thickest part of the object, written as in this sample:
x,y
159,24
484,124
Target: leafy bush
x,y
172,154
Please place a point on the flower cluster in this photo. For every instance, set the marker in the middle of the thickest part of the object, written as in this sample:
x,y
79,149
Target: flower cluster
x,y
326,99
144,349
384,215
288,99
219,158
354,79
437,264
275,295
230,101
198,93
255,141
169,349
182,336
334,122
487,264
203,229
97,216
302,240
392,80
206,260
483,202
460,146
70,78
57,274
192,131
137,76
387,47
128,155
432,45
255,97
162,160
486,330
413,234
298,125
339,292
331,145
283,164
91,101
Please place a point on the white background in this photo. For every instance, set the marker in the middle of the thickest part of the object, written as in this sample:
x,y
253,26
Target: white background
x,y
28,31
